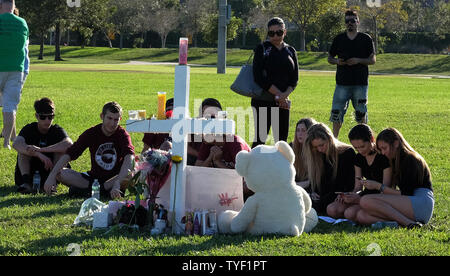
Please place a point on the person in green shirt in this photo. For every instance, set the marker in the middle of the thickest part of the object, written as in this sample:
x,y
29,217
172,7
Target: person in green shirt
x,y
13,36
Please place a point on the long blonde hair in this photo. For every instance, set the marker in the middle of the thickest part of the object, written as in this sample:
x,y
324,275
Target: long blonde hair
x,y
299,163
389,136
315,160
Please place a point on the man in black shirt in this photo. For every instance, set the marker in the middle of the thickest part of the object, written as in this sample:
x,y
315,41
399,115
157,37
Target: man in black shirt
x,y
39,146
354,51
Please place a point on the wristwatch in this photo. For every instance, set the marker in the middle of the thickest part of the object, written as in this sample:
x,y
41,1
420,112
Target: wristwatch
x,y
382,188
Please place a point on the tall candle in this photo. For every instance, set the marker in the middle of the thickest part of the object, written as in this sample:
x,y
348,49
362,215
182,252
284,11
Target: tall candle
x,y
183,50
161,106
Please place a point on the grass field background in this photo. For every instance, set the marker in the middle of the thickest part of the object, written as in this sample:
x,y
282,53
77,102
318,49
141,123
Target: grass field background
x,y
40,225
386,63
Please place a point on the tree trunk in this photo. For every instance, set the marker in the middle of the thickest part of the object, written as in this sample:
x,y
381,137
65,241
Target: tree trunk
x,y
121,41
109,40
195,39
41,48
94,39
163,41
302,40
58,42
145,39
375,34
244,33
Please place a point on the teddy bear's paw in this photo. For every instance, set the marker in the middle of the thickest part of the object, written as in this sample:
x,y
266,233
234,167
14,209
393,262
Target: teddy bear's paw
x,y
225,221
295,231
311,220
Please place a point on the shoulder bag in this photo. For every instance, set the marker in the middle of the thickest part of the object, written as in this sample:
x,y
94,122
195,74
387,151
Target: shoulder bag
x,y
245,84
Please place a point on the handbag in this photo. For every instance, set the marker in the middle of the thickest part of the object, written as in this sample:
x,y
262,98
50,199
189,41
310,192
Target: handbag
x,y
245,84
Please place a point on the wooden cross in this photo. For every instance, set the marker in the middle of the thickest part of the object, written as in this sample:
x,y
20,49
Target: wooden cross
x,y
180,126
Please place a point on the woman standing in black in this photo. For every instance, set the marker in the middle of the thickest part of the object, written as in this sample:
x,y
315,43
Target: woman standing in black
x,y
275,69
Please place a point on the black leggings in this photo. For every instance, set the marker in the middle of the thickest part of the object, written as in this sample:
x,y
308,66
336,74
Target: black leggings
x,y
263,116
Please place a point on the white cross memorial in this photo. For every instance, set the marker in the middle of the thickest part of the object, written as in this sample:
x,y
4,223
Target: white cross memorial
x,y
180,126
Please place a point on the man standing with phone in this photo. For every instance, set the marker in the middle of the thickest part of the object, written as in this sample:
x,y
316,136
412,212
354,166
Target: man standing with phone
x,y
355,52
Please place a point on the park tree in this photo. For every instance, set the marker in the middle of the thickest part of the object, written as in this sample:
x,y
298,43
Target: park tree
x,y
62,14
303,13
243,9
122,18
141,22
417,14
442,18
42,15
164,17
91,17
259,16
39,17
194,14
328,26
211,28
391,12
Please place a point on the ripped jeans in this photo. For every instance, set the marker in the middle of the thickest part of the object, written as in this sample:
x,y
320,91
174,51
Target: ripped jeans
x,y
342,96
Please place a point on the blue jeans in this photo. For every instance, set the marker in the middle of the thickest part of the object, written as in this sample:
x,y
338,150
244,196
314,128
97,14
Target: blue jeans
x,y
342,96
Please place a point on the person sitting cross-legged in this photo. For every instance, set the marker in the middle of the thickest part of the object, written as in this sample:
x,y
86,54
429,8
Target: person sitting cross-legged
x,y
112,156
39,146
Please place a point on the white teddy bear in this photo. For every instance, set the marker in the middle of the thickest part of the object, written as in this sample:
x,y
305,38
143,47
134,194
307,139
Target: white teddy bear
x,y
278,205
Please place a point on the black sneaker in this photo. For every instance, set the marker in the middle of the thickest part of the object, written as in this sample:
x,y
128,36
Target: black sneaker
x,y
414,225
25,189
79,192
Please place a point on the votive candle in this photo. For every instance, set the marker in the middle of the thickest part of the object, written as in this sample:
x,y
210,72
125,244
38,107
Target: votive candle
x,y
161,115
183,50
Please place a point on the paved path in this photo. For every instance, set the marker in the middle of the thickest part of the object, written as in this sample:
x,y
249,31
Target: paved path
x,y
424,76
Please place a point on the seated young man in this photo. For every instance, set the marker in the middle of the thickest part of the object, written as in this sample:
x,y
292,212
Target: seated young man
x,y
111,156
218,151
39,146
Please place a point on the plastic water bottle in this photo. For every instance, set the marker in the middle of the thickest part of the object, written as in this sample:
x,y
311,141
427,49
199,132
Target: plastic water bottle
x,y
96,189
36,182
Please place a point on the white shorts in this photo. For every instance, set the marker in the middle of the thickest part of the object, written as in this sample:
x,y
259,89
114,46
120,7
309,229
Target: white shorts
x,y
10,90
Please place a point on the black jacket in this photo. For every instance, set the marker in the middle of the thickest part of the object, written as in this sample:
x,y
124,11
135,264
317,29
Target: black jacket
x,y
275,67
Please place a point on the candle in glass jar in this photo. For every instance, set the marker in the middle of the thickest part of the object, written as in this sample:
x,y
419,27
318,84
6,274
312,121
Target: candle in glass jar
x,y
183,51
161,106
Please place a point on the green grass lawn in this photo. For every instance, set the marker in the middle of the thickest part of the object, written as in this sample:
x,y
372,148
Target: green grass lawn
x,y
41,225
386,63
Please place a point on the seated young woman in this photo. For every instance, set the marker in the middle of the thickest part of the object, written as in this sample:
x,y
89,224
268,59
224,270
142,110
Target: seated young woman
x,y
410,206
369,164
301,176
329,164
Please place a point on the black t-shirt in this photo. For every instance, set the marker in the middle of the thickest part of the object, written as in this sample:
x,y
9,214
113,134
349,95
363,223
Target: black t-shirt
x,y
344,181
360,47
410,177
275,67
373,171
32,136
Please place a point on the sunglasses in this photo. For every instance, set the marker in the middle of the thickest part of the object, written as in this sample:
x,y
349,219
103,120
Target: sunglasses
x,y
352,20
273,33
43,117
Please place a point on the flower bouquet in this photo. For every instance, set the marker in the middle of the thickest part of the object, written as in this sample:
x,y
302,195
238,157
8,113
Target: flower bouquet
x,y
151,170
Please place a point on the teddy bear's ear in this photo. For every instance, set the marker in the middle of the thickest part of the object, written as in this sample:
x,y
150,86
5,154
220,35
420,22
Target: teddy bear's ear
x,y
242,161
286,151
